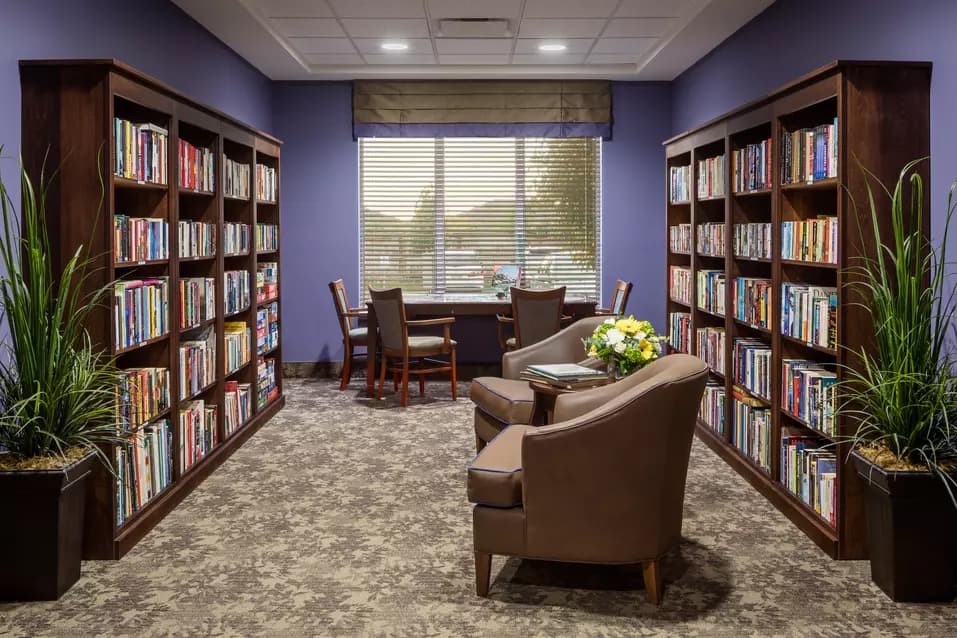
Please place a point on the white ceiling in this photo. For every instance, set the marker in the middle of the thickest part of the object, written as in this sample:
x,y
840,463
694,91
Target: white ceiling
x,y
341,39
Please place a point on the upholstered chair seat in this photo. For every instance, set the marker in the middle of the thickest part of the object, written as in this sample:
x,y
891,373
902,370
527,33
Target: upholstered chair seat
x,y
495,475
418,344
504,401
359,336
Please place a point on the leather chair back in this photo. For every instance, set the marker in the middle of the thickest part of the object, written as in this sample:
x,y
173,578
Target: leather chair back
x,y
341,301
537,314
390,315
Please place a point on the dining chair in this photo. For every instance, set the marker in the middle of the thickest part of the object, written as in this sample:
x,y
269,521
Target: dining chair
x,y
536,315
619,299
352,335
397,344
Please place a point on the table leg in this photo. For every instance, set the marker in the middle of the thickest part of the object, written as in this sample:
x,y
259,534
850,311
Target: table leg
x,y
372,349
543,409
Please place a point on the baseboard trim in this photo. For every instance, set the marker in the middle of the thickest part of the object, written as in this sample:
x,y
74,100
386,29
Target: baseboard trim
x,y
332,370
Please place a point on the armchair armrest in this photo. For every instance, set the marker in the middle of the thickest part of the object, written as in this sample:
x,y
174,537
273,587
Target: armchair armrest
x,y
565,346
358,315
604,311
502,322
359,310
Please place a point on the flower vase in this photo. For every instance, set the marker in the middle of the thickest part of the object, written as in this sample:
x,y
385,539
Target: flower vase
x,y
614,372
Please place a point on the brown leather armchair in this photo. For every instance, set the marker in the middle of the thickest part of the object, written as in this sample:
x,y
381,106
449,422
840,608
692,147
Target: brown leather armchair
x,y
604,484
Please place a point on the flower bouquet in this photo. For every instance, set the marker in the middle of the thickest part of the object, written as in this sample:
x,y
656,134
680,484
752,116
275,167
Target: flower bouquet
x,y
625,345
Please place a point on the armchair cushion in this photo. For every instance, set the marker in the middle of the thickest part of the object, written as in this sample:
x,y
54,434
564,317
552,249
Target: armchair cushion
x,y
359,336
427,343
495,475
507,400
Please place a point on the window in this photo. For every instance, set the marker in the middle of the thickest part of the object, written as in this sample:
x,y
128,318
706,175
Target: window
x,y
444,215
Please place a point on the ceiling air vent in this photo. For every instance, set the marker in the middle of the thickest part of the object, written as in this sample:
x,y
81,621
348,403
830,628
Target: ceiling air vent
x,y
474,28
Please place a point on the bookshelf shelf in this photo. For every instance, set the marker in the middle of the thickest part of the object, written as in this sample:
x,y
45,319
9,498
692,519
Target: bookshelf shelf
x,y
184,260
192,192
237,312
713,198
236,198
199,392
274,251
852,109
153,419
198,326
267,353
266,202
709,256
686,304
138,264
141,345
266,302
132,184
240,368
236,255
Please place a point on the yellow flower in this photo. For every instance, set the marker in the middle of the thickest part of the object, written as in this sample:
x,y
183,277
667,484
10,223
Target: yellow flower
x,y
646,354
593,352
629,326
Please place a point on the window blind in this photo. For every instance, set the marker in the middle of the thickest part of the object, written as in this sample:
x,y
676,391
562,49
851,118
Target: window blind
x,y
440,215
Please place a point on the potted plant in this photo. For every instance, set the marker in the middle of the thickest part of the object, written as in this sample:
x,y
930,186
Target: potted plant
x,y
624,344
56,403
902,394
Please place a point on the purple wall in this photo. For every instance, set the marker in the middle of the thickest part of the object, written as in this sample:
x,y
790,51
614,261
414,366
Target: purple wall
x,y
320,211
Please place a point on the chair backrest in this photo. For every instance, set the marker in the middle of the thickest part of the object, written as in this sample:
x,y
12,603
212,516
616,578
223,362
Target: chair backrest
x,y
619,297
341,301
537,314
390,316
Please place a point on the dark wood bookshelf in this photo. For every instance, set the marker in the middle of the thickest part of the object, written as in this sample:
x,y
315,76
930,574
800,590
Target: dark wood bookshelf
x,y
883,113
92,93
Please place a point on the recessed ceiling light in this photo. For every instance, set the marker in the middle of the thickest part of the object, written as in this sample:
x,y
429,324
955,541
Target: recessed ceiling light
x,y
551,47
394,46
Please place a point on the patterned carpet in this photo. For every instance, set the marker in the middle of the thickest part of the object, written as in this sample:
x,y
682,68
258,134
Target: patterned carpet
x,y
345,516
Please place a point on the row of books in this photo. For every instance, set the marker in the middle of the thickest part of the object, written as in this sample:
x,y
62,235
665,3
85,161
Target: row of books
x,y
712,406
265,183
236,290
267,327
140,311
568,376
752,366
197,167
810,473
139,239
710,290
751,167
197,301
267,281
197,433
236,179
809,154
197,239
237,337
140,151
197,364
679,238
812,240
679,180
710,343
237,406
267,387
235,238
809,313
808,392
751,432
752,300
144,467
752,240
267,237
141,395
710,239
680,288
711,176
679,334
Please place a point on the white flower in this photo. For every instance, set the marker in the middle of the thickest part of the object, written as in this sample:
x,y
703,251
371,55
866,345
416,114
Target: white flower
x,y
640,336
619,347
610,321
614,336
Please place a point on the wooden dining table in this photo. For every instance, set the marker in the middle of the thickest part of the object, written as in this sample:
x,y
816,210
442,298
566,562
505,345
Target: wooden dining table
x,y
457,305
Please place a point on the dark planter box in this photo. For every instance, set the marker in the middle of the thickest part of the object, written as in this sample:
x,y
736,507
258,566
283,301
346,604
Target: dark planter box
x,y
42,534
911,534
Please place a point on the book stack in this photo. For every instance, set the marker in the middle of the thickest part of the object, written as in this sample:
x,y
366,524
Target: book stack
x,y
267,237
236,290
810,473
751,167
711,177
711,239
197,367
265,183
197,432
710,342
568,376
266,381
809,154
711,291
237,337
236,179
752,241
141,394
679,238
140,311
267,281
197,239
197,301
809,313
680,289
196,167
144,467
139,239
235,238
267,328
808,392
752,427
237,405
752,301
752,366
680,180
679,337
140,151
812,240
712,406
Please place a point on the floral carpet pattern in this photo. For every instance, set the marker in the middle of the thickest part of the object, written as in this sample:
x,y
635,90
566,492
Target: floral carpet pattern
x,y
347,516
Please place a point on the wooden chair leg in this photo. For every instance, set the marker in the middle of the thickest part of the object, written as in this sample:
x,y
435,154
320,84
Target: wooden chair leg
x,y
455,395
652,572
346,367
385,364
421,385
405,382
479,444
483,568
396,376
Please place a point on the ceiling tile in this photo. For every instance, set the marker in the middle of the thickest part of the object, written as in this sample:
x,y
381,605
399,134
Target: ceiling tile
x,y
333,59
322,45
575,45
571,28
632,46
639,27
569,8
657,8
400,59
315,27
472,9
479,46
547,59
293,8
367,28
473,59
374,45
611,58
378,8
